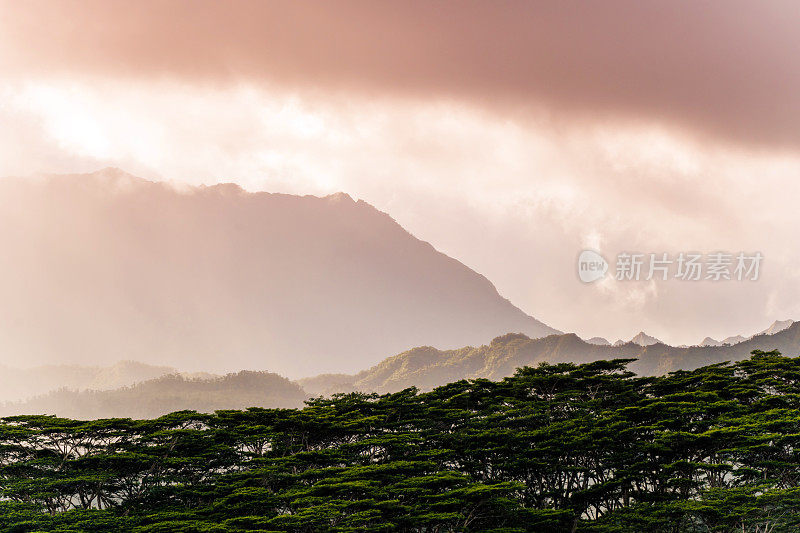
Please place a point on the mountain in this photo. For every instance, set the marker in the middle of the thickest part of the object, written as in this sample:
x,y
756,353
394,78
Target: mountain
x,y
426,367
423,367
21,383
643,339
734,339
659,359
109,266
599,341
156,397
775,327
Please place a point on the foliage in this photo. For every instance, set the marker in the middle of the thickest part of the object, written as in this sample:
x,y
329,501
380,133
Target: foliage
x,y
561,447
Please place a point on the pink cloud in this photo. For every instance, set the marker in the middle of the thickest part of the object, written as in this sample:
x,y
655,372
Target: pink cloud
x,y
728,68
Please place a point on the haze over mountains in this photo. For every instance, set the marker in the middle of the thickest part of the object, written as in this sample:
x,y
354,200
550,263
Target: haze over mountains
x,y
166,394
105,267
643,339
427,367
775,327
21,383
423,367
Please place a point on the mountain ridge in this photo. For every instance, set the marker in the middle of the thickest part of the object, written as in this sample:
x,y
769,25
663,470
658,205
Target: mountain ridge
x,y
220,279
422,367
776,327
427,367
169,393
22,383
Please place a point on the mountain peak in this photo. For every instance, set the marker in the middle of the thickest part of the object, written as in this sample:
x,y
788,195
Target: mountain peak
x,y
643,339
340,197
775,327
734,339
509,337
708,341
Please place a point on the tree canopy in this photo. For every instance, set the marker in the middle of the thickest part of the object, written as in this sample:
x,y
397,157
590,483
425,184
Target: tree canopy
x,y
564,447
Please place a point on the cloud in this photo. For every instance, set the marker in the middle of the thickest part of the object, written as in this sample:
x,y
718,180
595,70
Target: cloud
x,y
728,69
514,199
510,135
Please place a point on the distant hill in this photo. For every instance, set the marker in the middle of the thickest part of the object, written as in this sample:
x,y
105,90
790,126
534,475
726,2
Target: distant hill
x,y
775,327
659,359
733,339
109,266
708,341
422,367
643,339
427,367
22,383
166,394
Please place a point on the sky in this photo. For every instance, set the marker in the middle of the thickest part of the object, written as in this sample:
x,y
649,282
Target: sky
x,y
511,135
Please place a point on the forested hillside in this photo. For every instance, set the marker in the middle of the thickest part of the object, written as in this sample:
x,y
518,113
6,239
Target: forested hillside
x,y
590,448
427,367
173,392
21,383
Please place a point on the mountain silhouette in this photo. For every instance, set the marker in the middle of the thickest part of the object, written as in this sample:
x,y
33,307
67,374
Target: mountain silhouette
x,y
105,267
427,367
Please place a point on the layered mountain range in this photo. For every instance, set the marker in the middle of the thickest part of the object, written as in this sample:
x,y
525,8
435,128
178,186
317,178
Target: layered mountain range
x,y
423,367
643,339
105,267
427,367
775,327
